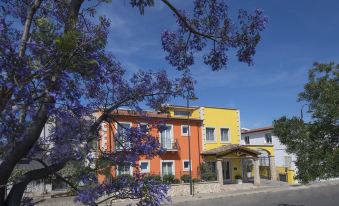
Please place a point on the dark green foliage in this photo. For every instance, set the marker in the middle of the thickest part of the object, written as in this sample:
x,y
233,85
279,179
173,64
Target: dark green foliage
x,y
170,179
176,181
238,177
154,177
206,173
196,180
185,178
315,143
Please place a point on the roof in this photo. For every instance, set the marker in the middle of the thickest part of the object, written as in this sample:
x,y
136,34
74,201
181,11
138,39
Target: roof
x,y
230,148
132,113
257,130
196,107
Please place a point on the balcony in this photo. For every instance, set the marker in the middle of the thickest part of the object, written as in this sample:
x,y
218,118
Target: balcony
x,y
170,146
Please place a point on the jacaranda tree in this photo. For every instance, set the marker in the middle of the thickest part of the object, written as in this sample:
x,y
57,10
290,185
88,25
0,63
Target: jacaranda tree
x,y
54,68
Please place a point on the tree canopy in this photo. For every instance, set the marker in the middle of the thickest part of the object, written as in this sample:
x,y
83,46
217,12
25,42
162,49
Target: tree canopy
x,y
316,142
55,69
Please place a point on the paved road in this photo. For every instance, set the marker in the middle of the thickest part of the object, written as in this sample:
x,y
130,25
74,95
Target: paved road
x,y
314,196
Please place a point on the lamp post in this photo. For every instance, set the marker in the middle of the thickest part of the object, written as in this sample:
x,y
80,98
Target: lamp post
x,y
193,98
301,111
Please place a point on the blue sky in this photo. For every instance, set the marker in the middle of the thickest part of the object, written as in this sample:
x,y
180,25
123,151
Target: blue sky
x,y
298,33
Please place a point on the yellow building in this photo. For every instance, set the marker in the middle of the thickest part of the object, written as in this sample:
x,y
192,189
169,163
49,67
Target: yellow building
x,y
240,153
221,134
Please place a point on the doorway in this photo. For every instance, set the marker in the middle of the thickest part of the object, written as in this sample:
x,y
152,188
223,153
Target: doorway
x,y
226,171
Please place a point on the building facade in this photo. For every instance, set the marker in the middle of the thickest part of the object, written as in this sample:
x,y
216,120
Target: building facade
x,y
216,139
174,139
264,140
221,149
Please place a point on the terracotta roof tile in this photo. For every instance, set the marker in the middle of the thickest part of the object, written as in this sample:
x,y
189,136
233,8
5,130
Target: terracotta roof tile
x,y
257,130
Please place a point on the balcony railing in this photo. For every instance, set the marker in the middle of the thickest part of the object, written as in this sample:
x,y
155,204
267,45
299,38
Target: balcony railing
x,y
170,146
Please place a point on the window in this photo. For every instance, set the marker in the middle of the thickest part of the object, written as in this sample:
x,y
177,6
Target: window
x,y
268,138
143,127
210,135
247,140
184,130
166,138
264,161
186,165
181,113
122,141
144,166
224,132
167,168
124,170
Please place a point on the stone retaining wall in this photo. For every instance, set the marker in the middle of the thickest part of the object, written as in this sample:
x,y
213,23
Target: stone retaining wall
x,y
184,189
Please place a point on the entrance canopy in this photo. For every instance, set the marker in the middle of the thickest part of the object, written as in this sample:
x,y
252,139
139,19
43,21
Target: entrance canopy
x,y
231,149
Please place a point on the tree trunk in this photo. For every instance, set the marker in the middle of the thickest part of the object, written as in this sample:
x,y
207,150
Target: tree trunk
x,y
32,133
15,195
22,148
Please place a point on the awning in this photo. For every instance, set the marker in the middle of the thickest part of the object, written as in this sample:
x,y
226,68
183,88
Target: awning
x,y
238,150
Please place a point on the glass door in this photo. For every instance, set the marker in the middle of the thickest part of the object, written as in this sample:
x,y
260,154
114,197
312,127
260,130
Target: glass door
x,y
167,168
226,171
166,138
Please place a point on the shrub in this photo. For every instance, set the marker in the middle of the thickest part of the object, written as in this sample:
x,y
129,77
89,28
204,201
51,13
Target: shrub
x,y
176,181
209,177
169,179
128,177
196,180
185,178
206,173
153,177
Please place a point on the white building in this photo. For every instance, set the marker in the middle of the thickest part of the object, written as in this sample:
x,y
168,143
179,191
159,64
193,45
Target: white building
x,y
284,162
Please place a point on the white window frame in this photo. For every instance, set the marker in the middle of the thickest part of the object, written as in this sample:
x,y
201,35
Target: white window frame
x,y
183,165
266,139
130,170
214,134
172,135
148,166
228,135
249,141
116,131
188,131
173,166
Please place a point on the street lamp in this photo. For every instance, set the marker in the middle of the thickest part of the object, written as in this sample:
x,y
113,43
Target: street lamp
x,y
193,98
301,111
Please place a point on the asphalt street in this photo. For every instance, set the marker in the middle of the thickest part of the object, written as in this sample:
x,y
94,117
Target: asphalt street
x,y
313,196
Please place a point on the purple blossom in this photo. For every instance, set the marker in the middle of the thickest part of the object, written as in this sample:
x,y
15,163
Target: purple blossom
x,y
213,32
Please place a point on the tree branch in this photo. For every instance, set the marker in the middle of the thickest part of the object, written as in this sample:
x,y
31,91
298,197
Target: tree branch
x,y
16,193
187,24
27,27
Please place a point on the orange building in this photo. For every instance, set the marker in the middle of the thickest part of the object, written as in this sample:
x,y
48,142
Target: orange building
x,y
174,139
